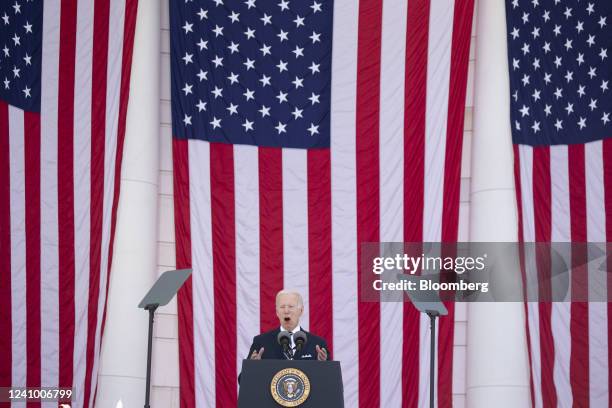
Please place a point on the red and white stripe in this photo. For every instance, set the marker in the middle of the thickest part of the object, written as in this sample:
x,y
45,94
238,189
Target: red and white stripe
x,y
62,189
251,220
562,197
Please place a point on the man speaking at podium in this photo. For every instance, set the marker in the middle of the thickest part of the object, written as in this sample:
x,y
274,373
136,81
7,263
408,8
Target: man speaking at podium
x,y
289,341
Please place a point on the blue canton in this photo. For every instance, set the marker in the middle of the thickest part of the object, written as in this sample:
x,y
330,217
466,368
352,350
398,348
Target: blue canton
x,y
21,53
559,60
252,72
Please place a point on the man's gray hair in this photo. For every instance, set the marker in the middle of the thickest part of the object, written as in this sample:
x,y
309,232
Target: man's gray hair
x,y
291,292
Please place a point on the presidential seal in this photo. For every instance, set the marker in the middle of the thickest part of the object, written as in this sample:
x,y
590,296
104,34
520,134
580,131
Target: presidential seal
x,y
290,387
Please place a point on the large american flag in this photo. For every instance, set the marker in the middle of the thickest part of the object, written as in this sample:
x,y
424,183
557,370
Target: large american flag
x,y
64,73
301,130
561,106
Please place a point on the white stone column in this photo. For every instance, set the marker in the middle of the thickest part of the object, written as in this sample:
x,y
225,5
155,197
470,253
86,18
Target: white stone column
x,y
124,346
497,361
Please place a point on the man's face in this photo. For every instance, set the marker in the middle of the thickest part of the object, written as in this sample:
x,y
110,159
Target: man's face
x,y
288,311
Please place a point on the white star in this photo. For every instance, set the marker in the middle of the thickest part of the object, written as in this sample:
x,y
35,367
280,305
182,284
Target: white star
x,y
6,83
284,5
582,123
265,49
525,18
536,126
265,111
17,8
547,109
546,47
602,21
603,53
282,66
26,92
568,44
250,33
28,27
299,52
218,61
297,113
569,108
524,111
557,61
314,67
187,120
569,76
27,59
525,80
202,75
515,3
247,125
299,21
315,7
188,27
559,93
604,86
605,118
517,125
233,78
298,82
313,129
265,80
16,38
536,95
590,8
536,64
580,26
218,92
515,64
581,90
188,58
535,3
515,33
201,106
546,16
203,14
557,30
282,97
5,17
283,36
202,44
559,124
216,123
580,59
515,96
218,31
535,32
314,98
218,2
233,47
591,40
6,51
266,19
250,3
16,72
315,37
547,78
249,94
525,48
567,13
280,128
249,64
593,104
233,109
234,17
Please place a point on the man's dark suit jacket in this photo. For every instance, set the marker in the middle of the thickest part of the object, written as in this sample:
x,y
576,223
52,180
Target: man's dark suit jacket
x,y
273,350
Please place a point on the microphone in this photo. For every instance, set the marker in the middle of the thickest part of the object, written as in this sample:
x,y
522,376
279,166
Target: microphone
x,y
300,339
284,339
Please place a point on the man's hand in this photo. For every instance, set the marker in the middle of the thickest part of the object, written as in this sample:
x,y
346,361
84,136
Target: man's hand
x,y
321,353
257,355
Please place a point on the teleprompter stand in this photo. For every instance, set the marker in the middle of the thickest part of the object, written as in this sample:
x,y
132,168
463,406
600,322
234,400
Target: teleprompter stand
x,y
159,295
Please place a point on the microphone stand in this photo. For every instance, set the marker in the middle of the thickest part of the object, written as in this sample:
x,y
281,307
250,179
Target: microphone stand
x,y
432,354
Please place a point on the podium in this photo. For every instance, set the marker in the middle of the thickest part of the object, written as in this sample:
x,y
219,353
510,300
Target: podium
x,y
263,380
